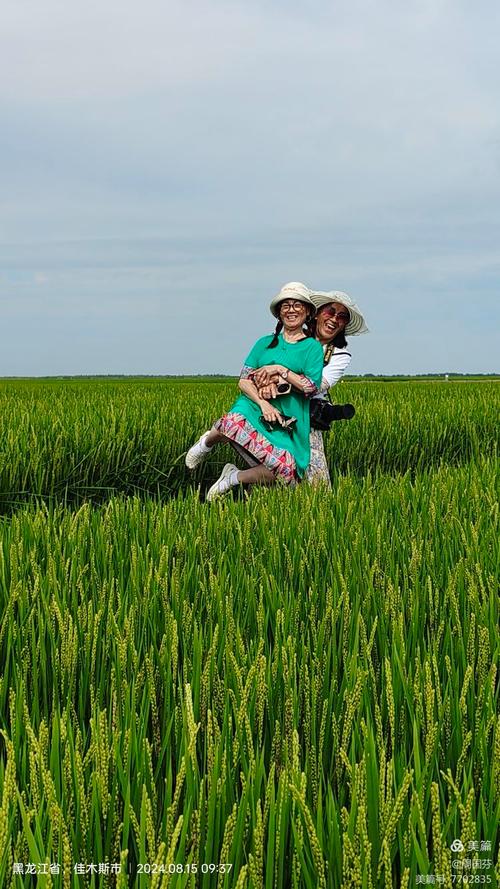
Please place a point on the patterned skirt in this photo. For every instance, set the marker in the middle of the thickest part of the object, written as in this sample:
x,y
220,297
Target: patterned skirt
x,y
255,448
317,471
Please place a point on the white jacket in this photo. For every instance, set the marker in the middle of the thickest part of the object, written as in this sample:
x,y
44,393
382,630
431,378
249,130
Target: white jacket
x,y
334,370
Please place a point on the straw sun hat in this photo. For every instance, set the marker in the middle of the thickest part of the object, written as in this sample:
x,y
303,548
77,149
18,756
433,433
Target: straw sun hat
x,y
356,324
293,290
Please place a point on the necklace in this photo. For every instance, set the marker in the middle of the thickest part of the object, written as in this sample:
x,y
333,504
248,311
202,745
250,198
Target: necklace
x,y
292,342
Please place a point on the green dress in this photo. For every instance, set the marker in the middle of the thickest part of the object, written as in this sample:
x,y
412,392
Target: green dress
x,y
286,455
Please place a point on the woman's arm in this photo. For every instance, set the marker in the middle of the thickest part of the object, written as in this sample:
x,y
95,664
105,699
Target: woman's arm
x,y
267,375
269,412
248,387
308,382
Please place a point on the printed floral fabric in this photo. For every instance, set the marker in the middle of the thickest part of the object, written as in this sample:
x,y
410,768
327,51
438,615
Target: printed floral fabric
x,y
311,388
317,471
246,372
237,428
302,357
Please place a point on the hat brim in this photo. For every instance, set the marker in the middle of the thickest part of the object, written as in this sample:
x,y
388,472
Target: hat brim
x,y
356,324
293,290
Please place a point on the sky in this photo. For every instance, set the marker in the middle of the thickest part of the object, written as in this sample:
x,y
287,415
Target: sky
x,y
167,167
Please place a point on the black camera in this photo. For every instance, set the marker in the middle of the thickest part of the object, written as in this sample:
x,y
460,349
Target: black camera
x,y
323,413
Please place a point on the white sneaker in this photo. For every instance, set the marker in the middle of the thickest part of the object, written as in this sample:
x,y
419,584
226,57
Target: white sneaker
x,y
198,452
223,483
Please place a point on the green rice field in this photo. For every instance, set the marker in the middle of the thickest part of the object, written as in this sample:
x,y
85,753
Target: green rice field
x,y
286,688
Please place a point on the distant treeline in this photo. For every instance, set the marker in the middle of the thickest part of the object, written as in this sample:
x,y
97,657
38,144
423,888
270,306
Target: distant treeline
x,y
385,378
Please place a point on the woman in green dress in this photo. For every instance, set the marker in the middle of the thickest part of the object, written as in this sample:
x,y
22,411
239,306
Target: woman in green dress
x,y
256,427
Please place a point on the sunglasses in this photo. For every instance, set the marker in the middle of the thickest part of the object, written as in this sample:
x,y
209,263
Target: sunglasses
x,y
332,313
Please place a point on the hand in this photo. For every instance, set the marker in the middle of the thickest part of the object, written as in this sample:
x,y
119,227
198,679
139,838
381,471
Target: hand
x,y
267,374
283,382
271,414
268,392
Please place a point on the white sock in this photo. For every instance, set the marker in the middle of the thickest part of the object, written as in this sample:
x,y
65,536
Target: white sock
x,y
204,447
229,481
233,478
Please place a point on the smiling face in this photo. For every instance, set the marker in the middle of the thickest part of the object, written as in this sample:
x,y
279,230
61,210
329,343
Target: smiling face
x,y
331,320
293,314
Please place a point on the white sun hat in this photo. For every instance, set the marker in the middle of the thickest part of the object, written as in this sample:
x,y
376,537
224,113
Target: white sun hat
x,y
293,290
356,323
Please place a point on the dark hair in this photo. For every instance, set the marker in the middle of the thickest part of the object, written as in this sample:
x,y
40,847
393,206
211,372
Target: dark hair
x,y
309,331
274,341
339,340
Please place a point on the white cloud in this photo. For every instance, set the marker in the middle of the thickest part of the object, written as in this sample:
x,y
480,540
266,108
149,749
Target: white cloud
x,y
353,143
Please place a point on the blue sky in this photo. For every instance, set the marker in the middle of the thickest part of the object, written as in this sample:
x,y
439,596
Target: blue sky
x,y
166,168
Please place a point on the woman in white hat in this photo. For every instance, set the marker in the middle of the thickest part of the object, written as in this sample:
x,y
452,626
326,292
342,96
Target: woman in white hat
x,y
272,434
337,316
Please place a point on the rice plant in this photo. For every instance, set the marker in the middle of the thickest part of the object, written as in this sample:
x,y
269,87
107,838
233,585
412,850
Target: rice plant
x,y
295,689
77,440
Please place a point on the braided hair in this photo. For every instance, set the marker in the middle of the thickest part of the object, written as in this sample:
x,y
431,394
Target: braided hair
x,y
277,331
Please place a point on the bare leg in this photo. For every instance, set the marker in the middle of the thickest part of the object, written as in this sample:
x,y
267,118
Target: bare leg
x,y
214,437
258,475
